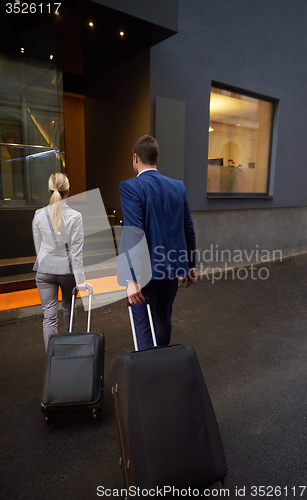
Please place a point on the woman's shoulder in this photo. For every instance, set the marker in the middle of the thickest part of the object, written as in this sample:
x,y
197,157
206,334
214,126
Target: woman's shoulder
x,y
72,213
39,212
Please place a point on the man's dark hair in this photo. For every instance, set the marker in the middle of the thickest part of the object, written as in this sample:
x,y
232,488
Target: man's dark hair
x,y
147,149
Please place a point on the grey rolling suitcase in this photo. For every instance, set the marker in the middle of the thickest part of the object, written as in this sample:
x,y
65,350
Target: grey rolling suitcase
x,y
167,429
74,370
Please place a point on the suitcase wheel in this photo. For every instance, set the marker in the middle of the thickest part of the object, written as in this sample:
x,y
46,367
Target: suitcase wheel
x,y
47,418
96,414
46,414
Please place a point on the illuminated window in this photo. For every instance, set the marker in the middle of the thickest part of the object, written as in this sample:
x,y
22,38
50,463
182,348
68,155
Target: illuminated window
x,y
239,144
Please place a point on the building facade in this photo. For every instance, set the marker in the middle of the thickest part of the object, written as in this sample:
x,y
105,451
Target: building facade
x,y
221,85
248,49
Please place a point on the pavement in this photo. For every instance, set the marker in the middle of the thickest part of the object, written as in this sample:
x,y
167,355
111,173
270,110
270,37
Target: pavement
x,y
250,338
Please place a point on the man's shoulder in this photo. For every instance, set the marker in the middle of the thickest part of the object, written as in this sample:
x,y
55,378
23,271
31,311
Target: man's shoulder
x,y
156,174
171,179
128,182
128,185
135,184
174,182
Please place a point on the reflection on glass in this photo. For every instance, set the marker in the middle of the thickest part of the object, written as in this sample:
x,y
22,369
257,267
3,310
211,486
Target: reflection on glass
x,y
31,130
239,143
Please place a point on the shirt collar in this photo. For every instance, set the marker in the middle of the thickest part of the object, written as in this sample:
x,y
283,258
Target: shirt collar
x,y
146,170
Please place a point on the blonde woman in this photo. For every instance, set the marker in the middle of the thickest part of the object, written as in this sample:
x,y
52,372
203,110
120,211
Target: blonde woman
x,y
58,239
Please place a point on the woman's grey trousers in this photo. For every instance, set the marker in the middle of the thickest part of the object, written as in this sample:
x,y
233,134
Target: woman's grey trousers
x,y
48,287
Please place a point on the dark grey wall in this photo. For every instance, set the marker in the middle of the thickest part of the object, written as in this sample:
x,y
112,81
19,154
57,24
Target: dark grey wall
x,y
170,132
275,229
255,46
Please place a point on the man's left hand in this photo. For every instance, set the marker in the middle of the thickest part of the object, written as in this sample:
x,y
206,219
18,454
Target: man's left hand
x,y
190,279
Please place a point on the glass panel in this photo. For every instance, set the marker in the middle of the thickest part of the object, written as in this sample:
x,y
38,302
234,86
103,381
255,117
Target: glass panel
x,y
31,130
239,143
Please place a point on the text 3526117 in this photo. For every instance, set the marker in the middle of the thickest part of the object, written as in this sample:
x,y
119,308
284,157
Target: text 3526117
x,y
19,7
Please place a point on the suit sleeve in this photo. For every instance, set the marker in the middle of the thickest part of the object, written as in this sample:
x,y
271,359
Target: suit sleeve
x,y
189,232
132,207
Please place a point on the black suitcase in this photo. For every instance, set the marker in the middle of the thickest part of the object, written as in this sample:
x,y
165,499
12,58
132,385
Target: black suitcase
x,y
167,428
74,370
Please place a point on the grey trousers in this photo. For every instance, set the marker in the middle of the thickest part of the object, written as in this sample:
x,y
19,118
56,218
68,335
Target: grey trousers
x,y
48,287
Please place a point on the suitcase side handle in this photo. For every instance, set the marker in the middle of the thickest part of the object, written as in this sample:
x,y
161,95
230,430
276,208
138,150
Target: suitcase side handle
x,y
74,294
152,329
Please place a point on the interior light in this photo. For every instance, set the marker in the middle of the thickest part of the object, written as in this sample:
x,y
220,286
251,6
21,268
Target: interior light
x,y
43,153
52,121
91,24
211,129
121,33
114,211
22,50
51,56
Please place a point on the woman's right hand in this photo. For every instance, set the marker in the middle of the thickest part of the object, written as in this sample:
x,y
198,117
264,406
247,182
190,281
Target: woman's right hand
x,y
81,287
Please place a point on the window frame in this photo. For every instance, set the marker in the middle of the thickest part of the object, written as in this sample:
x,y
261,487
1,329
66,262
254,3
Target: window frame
x,y
31,140
268,195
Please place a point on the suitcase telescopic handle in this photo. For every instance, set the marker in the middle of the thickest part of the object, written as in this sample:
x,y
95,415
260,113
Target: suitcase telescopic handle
x,y
88,287
152,329
74,294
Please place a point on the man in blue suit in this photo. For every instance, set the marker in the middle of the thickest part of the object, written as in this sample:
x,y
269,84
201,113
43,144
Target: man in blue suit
x,y
159,208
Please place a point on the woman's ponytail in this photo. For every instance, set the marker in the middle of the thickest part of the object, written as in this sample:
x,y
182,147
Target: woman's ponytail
x,y
58,185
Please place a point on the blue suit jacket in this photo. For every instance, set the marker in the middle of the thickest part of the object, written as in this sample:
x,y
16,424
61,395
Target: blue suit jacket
x,y
159,207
